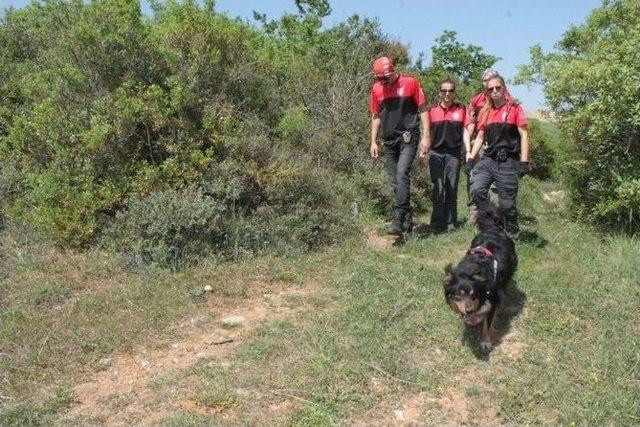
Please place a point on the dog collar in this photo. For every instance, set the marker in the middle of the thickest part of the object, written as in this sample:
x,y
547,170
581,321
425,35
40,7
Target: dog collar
x,y
481,250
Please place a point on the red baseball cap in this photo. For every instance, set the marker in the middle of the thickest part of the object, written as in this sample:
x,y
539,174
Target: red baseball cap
x,y
383,67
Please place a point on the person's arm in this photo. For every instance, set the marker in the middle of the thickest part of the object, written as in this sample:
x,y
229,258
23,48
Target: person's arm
x,y
477,144
425,141
470,128
470,120
375,127
466,139
524,144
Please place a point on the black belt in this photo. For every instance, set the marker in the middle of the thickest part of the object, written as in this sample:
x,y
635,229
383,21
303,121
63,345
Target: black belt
x,y
502,155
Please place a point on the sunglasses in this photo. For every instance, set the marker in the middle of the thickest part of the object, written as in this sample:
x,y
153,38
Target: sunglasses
x,y
494,88
447,90
384,79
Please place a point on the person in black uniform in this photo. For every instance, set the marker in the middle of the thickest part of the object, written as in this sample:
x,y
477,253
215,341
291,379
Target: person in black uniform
x,y
448,133
503,126
398,108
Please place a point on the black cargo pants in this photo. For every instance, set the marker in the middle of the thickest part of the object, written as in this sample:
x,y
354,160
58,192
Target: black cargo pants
x,y
444,168
399,156
505,176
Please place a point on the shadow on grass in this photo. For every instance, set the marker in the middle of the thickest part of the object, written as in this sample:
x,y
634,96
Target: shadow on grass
x,y
513,302
419,231
426,230
532,238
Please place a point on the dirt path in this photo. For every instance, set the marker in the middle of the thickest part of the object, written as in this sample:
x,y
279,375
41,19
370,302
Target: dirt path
x,y
124,393
152,384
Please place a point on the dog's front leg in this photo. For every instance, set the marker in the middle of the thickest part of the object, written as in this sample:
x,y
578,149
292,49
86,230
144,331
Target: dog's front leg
x,y
485,341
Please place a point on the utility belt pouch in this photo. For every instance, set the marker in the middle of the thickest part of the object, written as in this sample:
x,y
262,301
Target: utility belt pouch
x,y
406,137
502,155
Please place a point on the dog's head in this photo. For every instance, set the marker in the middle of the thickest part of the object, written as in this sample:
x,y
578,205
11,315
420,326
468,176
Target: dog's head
x,y
464,291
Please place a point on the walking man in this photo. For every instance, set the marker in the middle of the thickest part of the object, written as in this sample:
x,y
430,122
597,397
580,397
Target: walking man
x,y
398,108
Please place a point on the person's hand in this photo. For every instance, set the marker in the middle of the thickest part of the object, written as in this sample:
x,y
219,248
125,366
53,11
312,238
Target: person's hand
x,y
523,169
468,158
424,148
374,150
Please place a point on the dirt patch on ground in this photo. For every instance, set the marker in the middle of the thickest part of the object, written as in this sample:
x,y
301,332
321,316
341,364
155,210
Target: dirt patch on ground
x,y
376,241
469,401
124,393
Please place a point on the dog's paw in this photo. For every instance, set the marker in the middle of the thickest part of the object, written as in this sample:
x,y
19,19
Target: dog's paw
x,y
486,346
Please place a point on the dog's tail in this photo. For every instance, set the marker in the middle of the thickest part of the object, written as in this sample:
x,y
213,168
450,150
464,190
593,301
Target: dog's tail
x,y
488,216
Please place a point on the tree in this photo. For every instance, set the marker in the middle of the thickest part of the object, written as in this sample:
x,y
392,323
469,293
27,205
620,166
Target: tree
x,y
464,63
592,85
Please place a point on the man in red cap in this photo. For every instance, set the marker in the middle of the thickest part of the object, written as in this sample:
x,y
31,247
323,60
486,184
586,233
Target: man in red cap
x,y
398,108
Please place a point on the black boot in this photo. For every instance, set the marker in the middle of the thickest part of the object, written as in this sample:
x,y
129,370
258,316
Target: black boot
x,y
407,224
397,225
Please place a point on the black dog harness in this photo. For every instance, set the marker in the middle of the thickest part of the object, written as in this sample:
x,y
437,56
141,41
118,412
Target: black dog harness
x,y
487,254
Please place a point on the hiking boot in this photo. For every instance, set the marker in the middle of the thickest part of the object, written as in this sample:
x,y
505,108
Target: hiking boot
x,y
512,230
396,228
437,227
397,225
407,224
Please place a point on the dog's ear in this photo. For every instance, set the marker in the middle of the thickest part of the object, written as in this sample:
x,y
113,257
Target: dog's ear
x,y
448,276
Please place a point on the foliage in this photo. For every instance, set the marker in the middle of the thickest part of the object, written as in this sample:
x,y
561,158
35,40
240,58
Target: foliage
x,y
462,62
169,226
592,85
106,115
348,329
541,155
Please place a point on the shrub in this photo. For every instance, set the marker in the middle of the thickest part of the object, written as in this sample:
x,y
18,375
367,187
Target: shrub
x,y
541,156
600,122
171,227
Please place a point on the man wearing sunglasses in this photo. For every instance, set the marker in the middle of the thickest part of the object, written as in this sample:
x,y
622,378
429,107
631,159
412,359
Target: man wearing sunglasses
x,y
448,133
398,108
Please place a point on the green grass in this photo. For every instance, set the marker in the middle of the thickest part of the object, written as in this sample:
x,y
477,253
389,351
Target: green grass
x,y
359,332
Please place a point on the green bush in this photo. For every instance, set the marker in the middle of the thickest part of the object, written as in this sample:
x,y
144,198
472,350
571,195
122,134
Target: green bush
x,y
171,227
541,156
592,87
186,133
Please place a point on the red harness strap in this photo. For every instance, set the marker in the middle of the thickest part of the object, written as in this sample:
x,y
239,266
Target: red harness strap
x,y
481,250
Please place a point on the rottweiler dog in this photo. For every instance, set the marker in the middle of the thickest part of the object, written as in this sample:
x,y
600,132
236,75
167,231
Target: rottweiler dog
x,y
475,287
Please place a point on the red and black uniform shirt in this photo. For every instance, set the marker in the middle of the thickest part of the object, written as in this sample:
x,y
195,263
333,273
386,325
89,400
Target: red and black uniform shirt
x,y
397,106
478,101
447,127
501,128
